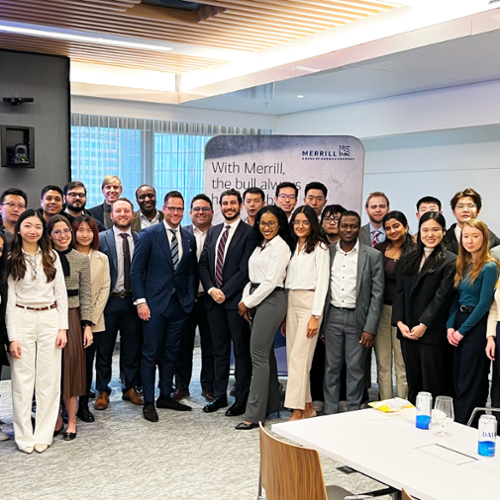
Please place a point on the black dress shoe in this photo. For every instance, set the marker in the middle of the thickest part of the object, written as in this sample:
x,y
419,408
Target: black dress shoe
x,y
69,436
58,431
237,409
217,403
171,404
84,414
149,412
243,426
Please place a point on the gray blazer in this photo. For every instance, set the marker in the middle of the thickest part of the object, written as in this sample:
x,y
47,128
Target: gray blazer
x,y
496,252
369,288
364,235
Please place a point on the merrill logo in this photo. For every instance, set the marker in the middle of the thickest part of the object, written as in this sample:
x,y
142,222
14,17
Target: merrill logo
x,y
344,152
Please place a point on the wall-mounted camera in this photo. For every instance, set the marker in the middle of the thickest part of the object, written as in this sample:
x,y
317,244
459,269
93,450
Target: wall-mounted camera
x,y
17,101
17,146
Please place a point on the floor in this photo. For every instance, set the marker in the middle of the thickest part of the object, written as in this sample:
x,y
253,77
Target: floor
x,y
188,455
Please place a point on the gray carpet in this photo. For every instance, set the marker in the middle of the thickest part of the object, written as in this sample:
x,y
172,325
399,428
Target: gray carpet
x,y
121,456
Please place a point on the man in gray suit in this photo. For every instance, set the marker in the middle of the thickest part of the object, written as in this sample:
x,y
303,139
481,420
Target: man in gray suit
x,y
377,206
353,306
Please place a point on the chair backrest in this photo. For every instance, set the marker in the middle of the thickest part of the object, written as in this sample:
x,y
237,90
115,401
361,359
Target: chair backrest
x,y
290,472
406,496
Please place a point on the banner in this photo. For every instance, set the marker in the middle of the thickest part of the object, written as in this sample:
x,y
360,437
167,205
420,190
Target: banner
x,y
264,161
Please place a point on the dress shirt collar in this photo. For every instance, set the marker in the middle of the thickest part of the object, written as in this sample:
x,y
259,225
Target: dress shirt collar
x,y
354,250
39,251
380,230
154,220
234,224
198,231
275,241
118,231
169,228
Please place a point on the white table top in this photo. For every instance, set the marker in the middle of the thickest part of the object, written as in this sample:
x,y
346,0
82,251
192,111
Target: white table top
x,y
389,450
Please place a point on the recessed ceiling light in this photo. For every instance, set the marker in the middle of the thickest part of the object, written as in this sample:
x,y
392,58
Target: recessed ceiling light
x,y
300,96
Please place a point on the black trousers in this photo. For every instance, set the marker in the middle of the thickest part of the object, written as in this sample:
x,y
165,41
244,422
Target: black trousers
x,y
470,369
89,362
428,368
495,382
226,325
184,365
119,315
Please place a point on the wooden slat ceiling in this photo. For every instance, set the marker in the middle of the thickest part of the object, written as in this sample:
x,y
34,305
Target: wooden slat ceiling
x,y
247,25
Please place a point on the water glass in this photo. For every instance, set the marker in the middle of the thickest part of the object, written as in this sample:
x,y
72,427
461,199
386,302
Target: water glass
x,y
443,414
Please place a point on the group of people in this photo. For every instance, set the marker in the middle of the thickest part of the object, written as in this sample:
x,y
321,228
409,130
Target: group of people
x,y
72,278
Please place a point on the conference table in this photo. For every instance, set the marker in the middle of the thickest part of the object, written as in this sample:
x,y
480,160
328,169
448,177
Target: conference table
x,y
393,451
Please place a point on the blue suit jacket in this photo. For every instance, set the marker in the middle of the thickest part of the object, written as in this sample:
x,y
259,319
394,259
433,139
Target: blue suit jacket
x,y
153,276
107,245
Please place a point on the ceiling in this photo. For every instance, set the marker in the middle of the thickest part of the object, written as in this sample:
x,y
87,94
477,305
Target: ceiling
x,y
461,61
245,26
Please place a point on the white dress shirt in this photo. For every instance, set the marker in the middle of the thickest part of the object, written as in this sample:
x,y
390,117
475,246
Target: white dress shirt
x,y
343,276
458,233
170,236
267,268
145,222
120,280
309,271
36,292
200,237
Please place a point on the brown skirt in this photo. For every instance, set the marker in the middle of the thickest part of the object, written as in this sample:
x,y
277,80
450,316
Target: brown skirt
x,y
73,359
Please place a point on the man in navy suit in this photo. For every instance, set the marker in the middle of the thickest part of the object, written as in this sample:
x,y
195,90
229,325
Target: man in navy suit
x,y
164,286
224,274
119,315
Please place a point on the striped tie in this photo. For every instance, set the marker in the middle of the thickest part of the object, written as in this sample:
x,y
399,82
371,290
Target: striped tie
x,y
220,257
174,249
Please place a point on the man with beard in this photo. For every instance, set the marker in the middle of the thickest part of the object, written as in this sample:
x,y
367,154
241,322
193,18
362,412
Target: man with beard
x,y
147,215
75,198
111,189
224,274
377,206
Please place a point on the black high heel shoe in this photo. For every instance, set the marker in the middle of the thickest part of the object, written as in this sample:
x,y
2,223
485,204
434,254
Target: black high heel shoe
x,y
58,431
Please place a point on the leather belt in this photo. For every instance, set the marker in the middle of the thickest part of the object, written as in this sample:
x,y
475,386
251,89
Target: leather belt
x,y
466,309
199,295
345,308
253,286
122,295
44,308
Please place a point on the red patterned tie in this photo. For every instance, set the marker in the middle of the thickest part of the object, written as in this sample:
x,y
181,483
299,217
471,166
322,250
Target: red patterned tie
x,y
375,238
220,257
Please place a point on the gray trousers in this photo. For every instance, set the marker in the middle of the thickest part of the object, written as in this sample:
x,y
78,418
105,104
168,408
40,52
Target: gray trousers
x,y
342,343
264,394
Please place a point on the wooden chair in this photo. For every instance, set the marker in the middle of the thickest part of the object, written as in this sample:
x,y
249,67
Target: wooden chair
x,y
289,472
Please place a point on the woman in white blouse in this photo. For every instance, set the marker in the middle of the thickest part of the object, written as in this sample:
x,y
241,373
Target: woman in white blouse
x,y
307,286
37,322
264,305
491,330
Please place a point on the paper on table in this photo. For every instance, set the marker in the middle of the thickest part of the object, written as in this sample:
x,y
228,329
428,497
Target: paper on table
x,y
376,415
488,467
451,456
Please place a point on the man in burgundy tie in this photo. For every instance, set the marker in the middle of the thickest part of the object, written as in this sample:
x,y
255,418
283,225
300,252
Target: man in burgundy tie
x,y
224,274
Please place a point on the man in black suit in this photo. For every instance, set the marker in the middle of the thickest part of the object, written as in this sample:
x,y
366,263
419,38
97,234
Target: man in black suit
x,y
120,313
111,189
75,199
164,285
14,202
201,217
224,274
465,205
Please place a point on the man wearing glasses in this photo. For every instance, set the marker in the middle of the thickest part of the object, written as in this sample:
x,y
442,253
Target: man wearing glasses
x,y
315,196
287,194
147,215
75,198
330,222
465,205
201,214
14,202
163,276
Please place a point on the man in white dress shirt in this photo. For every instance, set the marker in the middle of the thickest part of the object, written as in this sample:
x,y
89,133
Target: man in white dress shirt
x,y
353,306
201,215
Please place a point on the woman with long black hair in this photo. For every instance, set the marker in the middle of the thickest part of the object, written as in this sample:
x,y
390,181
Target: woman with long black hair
x,y
387,346
264,304
424,292
306,285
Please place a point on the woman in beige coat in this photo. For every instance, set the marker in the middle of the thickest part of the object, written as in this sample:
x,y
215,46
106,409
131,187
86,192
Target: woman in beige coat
x,y
87,242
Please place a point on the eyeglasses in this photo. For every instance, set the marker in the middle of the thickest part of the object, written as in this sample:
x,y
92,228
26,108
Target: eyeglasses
x,y
305,223
14,205
331,218
470,206
58,232
175,209
201,209
76,195
271,224
290,197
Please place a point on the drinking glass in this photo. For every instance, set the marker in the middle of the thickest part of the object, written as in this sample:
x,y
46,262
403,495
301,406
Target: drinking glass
x,y
443,414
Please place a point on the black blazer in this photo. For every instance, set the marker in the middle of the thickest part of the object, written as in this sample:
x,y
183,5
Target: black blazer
x,y
235,271
4,360
425,298
98,212
451,242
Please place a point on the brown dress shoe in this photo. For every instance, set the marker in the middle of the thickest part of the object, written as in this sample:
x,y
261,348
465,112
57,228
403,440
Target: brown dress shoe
x,y
208,395
133,396
180,394
102,401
